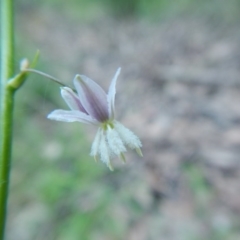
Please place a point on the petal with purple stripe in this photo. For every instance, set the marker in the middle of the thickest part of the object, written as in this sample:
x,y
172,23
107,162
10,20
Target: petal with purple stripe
x,y
72,100
92,97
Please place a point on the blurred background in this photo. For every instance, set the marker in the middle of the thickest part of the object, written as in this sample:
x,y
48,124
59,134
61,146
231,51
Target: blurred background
x,y
179,91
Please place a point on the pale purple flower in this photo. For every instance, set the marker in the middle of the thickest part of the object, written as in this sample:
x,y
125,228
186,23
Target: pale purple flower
x,y
92,105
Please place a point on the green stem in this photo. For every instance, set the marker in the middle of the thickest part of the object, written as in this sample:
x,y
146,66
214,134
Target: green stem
x,y
6,105
5,156
45,75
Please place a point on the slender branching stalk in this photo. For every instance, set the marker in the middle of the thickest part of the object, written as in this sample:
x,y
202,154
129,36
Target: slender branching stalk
x,y
6,105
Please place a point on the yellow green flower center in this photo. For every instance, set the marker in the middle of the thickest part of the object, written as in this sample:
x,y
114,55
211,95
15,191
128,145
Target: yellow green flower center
x,y
106,124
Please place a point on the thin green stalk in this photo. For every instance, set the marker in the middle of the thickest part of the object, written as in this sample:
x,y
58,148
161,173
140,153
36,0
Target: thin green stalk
x,y
6,105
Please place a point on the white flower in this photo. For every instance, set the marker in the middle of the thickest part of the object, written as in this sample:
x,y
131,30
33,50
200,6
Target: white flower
x,y
92,105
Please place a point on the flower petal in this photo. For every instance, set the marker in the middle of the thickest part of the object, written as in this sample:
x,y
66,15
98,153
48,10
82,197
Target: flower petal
x,y
92,97
95,145
111,94
104,151
72,100
127,136
71,116
115,143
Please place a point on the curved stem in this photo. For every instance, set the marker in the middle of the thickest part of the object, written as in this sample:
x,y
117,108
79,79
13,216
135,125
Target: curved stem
x,y
6,105
45,75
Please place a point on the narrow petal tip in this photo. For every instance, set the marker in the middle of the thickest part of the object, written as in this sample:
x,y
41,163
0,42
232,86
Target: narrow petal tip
x,y
95,158
122,156
112,93
139,152
110,166
118,71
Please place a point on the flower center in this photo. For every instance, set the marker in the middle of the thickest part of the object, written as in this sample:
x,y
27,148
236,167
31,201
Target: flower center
x,y
106,124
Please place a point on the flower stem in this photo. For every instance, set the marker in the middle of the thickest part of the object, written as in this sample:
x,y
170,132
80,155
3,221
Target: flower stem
x,y
45,75
6,105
